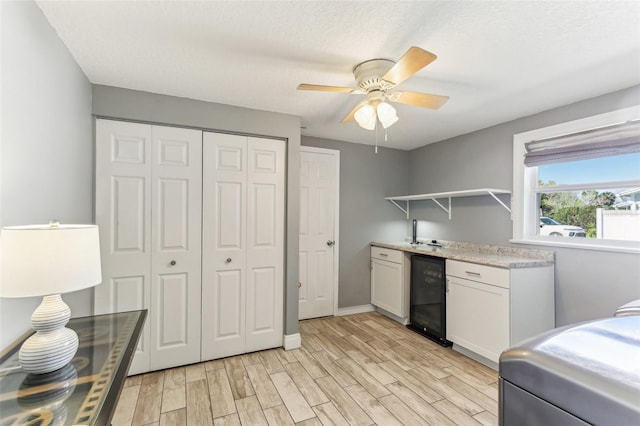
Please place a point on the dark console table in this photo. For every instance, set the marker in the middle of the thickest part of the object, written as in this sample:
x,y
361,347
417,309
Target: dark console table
x,y
86,391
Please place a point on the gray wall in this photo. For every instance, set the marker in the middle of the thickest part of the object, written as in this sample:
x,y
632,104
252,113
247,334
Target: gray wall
x,y
365,179
46,168
46,171
149,107
589,284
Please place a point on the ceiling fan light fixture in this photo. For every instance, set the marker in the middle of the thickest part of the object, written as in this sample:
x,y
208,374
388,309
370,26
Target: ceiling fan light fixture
x,y
366,117
378,78
386,114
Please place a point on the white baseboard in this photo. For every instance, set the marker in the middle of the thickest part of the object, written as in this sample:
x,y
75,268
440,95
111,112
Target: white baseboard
x,y
351,310
292,341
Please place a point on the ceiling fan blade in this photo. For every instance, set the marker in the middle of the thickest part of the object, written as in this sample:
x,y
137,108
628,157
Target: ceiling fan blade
x,y
320,88
350,116
411,62
424,100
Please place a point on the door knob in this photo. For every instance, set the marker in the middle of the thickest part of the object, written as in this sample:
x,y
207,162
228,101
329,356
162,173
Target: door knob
x,y
228,260
330,243
172,263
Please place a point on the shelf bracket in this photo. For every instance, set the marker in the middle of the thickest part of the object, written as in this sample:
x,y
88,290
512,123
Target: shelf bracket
x,y
447,210
405,211
499,201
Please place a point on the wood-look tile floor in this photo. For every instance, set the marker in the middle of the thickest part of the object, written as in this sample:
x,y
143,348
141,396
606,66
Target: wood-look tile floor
x,y
361,369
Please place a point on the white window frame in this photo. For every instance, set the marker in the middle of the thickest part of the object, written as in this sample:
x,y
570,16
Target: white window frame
x,y
525,182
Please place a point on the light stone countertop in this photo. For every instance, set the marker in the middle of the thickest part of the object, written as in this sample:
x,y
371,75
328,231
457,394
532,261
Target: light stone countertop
x,y
501,257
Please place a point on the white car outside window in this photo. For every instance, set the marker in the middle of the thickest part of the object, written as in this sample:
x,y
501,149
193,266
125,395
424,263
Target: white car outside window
x,y
549,226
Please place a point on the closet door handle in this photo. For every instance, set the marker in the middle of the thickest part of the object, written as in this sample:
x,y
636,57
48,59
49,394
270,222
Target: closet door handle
x,y
228,260
172,263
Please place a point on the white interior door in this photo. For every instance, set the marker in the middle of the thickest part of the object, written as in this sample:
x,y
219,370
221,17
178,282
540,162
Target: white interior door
x,y
319,214
123,214
176,216
224,245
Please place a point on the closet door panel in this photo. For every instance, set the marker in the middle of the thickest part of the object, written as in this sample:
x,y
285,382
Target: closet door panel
x,y
264,324
265,243
173,215
243,228
128,293
173,326
224,245
123,215
263,293
128,233
229,212
224,205
176,246
264,215
228,306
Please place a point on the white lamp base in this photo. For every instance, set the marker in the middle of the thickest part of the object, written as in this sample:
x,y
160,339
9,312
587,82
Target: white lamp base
x,y
53,346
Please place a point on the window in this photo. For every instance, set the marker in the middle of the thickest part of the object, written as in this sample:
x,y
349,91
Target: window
x,y
577,184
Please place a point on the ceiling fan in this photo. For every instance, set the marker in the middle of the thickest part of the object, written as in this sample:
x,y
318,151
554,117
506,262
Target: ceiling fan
x,y
377,78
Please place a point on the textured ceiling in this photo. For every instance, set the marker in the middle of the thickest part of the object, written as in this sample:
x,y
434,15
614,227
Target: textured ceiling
x,y
496,60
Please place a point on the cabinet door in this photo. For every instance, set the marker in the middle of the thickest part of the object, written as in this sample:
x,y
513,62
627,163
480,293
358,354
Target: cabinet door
x,y
224,245
386,285
123,214
176,246
478,316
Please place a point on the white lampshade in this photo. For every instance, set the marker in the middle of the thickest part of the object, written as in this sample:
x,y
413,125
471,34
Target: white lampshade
x,y
46,260
366,117
386,114
39,260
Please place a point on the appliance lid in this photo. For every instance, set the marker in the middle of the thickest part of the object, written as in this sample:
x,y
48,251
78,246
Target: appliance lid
x,y
590,370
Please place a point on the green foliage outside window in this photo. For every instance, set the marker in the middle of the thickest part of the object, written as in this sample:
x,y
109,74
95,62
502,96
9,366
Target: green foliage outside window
x,y
575,208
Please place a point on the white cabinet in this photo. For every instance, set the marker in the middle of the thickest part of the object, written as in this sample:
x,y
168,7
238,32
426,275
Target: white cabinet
x,y
148,208
243,244
390,281
478,316
490,309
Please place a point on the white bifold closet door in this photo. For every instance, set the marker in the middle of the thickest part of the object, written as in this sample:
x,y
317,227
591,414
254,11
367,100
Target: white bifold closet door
x,y
243,244
148,208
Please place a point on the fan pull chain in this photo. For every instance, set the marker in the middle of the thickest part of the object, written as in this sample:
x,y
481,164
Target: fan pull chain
x,y
376,150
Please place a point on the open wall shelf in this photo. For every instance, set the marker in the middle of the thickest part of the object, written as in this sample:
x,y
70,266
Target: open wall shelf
x,y
452,194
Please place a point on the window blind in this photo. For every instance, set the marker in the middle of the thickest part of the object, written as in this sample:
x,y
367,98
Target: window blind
x,y
622,138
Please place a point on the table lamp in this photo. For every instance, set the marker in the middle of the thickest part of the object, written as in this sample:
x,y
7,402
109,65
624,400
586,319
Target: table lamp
x,y
47,260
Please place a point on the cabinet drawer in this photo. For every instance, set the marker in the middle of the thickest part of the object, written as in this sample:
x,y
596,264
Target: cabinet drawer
x,y
386,254
481,273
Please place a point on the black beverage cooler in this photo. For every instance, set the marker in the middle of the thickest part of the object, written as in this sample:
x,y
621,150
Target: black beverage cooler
x,y
427,312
